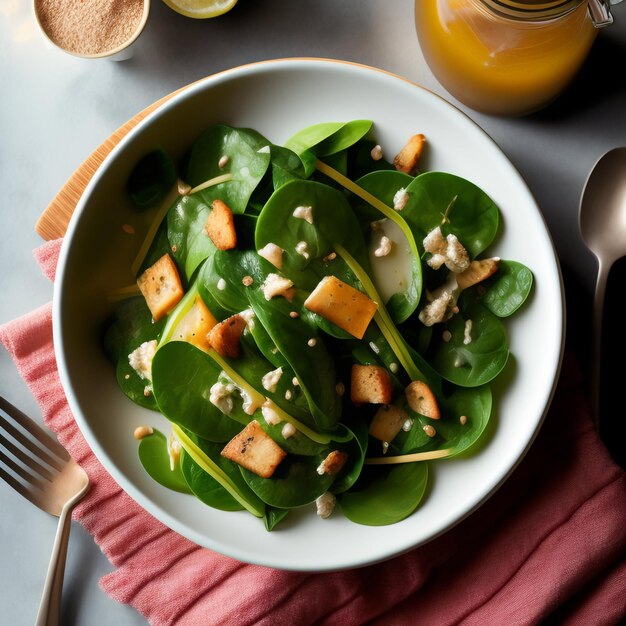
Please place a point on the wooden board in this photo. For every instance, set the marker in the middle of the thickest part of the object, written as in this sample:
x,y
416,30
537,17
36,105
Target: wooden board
x,y
52,223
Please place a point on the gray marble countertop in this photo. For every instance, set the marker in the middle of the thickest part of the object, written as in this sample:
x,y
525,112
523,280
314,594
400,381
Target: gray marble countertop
x,y
55,109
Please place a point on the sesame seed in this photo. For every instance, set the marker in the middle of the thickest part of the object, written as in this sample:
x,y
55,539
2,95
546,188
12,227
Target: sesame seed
x,y
376,153
223,162
295,382
147,391
142,431
446,335
463,420
126,376
429,430
330,257
174,248
221,284
408,424
340,388
294,314
311,342
127,228
385,447
247,280
374,347
288,394
393,368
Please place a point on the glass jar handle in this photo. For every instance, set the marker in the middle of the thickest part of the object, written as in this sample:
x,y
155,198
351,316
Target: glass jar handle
x,y
600,12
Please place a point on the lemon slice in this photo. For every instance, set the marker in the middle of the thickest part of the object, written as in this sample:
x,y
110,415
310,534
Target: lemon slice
x,y
201,9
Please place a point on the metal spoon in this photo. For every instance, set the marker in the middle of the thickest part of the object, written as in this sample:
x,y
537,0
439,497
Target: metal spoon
x,y
603,228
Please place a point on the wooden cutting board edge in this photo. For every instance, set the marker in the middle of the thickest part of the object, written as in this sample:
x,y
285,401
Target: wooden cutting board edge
x,y
53,222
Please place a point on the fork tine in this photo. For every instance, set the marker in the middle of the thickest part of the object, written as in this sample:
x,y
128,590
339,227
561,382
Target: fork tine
x,y
26,459
20,471
29,425
21,489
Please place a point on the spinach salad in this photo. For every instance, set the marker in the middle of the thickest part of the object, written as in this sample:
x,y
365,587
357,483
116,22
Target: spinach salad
x,y
316,322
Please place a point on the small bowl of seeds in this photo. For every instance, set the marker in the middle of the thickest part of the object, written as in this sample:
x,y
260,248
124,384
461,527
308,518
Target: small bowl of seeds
x,y
93,29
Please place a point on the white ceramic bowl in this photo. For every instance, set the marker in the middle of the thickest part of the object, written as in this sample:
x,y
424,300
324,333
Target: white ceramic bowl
x,y
277,98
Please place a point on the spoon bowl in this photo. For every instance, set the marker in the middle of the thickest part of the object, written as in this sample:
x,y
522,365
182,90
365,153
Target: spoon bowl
x,y
602,221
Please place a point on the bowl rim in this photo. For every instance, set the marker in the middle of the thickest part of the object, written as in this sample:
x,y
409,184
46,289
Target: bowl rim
x,y
188,92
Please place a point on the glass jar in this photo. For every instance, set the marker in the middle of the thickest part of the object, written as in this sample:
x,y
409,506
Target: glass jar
x,y
505,57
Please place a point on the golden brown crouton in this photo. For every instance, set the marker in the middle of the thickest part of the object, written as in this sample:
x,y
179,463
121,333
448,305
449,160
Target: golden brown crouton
x,y
224,337
255,450
333,463
161,287
388,422
422,400
407,158
342,305
370,384
220,226
477,272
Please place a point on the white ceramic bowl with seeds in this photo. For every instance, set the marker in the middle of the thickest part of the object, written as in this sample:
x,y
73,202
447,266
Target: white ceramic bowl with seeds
x,y
107,29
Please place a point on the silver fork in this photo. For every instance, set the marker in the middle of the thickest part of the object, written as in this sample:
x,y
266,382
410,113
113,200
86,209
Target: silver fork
x,y
40,469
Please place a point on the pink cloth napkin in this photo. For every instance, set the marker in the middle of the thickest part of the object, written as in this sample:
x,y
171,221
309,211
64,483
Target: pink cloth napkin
x,y
549,545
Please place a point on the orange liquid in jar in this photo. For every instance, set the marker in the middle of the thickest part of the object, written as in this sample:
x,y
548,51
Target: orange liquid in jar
x,y
499,65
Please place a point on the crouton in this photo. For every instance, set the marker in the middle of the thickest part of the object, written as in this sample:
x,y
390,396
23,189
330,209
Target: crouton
x,y
406,160
255,450
388,422
196,325
220,226
333,463
370,384
224,337
161,287
342,305
422,400
477,272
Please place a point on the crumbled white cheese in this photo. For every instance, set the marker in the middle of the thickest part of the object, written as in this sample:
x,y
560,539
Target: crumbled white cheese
x,y
140,359
457,258
272,253
221,284
436,311
264,150
400,199
302,248
448,251
304,213
275,285
147,391
270,415
325,504
434,242
384,247
442,303
376,153
467,332
248,317
270,380
142,431
408,424
249,405
220,395
289,430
